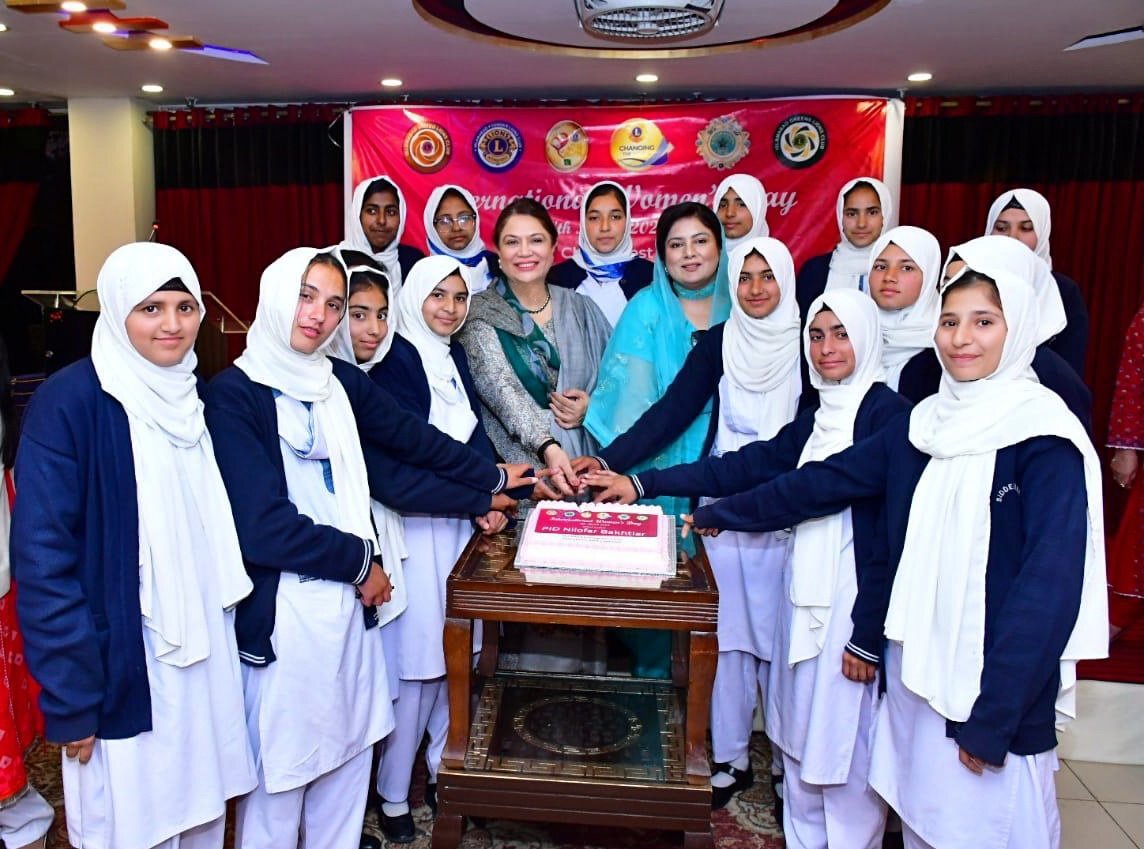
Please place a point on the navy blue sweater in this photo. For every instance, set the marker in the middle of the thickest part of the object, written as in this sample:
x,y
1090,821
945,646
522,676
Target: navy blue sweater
x,y
75,555
407,256
637,275
1035,568
1072,342
274,536
811,282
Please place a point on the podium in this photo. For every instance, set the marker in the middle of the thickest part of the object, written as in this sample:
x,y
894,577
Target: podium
x,y
604,750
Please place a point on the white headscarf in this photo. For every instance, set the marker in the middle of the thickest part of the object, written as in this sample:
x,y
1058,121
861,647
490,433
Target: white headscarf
x,y
604,272
357,240
751,190
850,264
819,543
390,528
760,355
1003,253
329,429
186,529
449,408
909,330
937,606
472,256
1037,205
342,343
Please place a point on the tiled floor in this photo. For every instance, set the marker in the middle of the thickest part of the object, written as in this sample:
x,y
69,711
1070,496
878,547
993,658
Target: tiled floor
x,y
1102,806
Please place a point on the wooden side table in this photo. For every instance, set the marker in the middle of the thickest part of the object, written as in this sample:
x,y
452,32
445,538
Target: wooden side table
x,y
604,750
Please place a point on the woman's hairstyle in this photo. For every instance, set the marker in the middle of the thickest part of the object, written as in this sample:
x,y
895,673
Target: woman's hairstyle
x,y
327,259
861,184
7,412
367,274
678,212
376,186
604,190
1013,204
974,278
529,207
453,193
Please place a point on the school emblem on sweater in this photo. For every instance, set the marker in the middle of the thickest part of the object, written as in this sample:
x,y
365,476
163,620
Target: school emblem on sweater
x,y
638,145
723,143
800,141
427,147
566,146
498,146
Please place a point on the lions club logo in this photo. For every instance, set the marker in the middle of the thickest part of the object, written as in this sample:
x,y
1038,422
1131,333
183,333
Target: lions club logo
x,y
498,146
427,147
638,145
800,141
566,146
723,143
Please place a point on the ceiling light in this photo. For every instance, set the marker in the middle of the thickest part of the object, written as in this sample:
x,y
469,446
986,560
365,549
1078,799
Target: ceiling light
x,y
646,78
160,43
391,82
73,6
3,27
103,27
152,88
920,77
6,92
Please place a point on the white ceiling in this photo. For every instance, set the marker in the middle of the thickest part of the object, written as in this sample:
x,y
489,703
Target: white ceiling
x,y
334,50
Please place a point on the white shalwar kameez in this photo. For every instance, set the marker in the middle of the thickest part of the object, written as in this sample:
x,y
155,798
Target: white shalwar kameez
x,y
313,714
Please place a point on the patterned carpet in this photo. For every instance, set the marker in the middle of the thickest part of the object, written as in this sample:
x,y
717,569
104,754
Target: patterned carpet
x,y
748,821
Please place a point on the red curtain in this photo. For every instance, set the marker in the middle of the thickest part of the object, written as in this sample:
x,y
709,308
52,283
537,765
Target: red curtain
x,y
1085,153
22,136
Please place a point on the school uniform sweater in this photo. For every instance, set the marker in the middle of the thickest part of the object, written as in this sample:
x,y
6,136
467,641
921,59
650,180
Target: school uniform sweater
x,y
1033,580
811,282
407,256
921,377
1072,342
274,536
637,274
75,555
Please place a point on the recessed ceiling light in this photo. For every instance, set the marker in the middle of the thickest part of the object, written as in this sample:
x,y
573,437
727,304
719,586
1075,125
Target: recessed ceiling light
x,y
103,27
6,92
152,88
920,77
391,82
3,27
160,43
646,78
73,6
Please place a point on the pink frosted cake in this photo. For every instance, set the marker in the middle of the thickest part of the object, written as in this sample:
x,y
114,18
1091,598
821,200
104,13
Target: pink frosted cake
x,y
601,544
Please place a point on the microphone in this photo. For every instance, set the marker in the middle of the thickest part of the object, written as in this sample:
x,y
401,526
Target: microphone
x,y
154,237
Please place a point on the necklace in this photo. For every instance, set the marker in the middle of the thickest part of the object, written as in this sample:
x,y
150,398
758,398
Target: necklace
x,y
540,308
693,294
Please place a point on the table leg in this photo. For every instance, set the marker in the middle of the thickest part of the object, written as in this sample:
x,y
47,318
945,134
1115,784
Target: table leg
x,y
691,840
459,667
490,649
703,653
447,831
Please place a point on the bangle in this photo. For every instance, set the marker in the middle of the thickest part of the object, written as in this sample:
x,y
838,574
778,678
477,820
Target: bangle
x,y
544,446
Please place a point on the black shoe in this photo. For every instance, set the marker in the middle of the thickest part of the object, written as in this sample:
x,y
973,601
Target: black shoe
x,y
368,841
777,790
744,778
431,796
397,829
892,840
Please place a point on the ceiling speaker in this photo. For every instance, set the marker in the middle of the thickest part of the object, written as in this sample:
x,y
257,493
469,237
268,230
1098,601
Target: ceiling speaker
x,y
648,21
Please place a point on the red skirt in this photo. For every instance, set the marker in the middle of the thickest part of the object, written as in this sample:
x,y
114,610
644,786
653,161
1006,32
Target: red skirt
x,y
1126,548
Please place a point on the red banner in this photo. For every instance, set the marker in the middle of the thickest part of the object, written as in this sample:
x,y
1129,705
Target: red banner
x,y
802,150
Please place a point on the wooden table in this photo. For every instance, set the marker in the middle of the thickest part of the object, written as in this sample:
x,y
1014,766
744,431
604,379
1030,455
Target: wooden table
x,y
514,749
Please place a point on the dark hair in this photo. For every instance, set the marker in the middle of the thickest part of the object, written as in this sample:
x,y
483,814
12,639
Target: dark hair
x,y
861,184
453,193
328,259
678,212
1013,204
372,276
7,412
376,186
974,278
529,207
603,190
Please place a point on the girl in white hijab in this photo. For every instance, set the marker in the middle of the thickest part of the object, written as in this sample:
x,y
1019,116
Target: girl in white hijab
x,y
428,374
904,285
375,220
605,266
450,216
1024,215
185,568
741,204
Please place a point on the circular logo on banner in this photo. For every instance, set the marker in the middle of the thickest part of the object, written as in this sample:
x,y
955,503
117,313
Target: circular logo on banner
x,y
498,146
638,145
800,141
566,146
723,143
427,147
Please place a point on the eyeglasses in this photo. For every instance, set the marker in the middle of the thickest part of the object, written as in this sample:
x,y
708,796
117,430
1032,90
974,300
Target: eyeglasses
x,y
447,221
